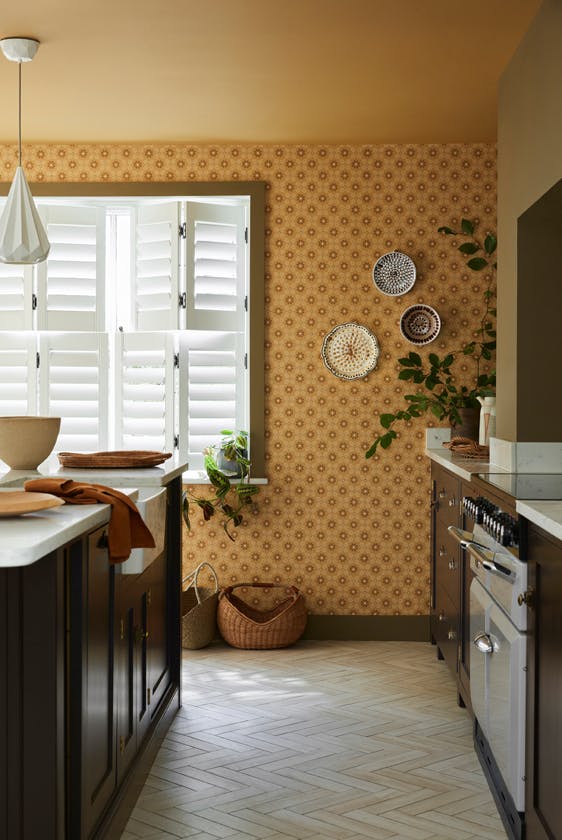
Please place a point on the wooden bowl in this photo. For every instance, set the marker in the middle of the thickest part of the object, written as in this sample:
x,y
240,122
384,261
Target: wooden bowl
x,y
25,442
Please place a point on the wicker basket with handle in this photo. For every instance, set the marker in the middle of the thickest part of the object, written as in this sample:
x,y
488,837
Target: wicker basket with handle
x,y
246,627
199,610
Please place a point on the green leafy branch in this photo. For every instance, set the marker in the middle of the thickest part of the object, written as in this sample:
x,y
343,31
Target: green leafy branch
x,y
443,397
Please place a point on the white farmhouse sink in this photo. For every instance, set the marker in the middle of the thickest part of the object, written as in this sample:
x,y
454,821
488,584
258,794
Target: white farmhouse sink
x,y
151,503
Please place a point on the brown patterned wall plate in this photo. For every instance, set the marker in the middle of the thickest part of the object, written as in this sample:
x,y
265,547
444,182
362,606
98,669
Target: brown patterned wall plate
x,y
420,324
350,351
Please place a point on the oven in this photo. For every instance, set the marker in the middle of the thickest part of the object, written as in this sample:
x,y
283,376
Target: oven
x,y
498,623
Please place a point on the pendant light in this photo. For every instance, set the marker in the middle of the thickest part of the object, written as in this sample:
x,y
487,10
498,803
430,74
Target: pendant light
x,y
23,240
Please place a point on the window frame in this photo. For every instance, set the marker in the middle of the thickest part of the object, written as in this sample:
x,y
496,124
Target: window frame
x,y
179,190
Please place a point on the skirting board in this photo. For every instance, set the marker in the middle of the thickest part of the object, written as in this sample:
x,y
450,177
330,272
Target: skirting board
x,y
383,628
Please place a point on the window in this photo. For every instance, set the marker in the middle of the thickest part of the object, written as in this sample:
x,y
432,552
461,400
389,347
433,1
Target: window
x,y
144,328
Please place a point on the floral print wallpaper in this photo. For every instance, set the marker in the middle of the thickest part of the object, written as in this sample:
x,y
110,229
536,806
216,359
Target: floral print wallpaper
x,y
351,533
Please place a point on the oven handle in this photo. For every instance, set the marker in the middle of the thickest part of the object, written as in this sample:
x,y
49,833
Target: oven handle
x,y
465,538
483,642
486,558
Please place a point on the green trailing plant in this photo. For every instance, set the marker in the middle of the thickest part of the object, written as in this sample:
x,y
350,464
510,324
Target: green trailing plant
x,y
230,483
439,390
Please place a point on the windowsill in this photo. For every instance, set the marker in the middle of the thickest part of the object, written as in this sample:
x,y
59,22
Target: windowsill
x,y
200,477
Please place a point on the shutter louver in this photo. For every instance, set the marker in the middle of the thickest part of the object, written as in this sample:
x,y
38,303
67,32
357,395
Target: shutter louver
x,y
216,266
145,391
73,385
157,255
210,365
71,280
15,297
18,374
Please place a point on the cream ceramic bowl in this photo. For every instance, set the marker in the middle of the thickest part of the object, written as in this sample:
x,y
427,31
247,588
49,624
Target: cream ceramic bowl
x,y
26,441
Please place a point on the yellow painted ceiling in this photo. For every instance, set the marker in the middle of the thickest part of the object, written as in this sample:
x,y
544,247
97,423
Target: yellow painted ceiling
x,y
294,71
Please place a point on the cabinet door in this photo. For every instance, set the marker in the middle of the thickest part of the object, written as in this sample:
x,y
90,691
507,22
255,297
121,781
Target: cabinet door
x,y
159,671
544,689
98,709
445,628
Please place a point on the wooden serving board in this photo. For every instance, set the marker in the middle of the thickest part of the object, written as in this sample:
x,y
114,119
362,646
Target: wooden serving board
x,y
18,502
113,460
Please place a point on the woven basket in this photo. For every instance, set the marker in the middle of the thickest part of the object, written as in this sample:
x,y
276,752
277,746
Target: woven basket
x,y
199,611
243,626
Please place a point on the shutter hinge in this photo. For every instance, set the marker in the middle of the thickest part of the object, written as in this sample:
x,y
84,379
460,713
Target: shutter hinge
x,y
246,235
37,360
182,230
246,303
176,360
34,301
182,300
149,597
176,441
121,744
245,361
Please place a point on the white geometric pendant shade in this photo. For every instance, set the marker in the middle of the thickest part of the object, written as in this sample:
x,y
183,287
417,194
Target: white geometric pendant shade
x,y
23,240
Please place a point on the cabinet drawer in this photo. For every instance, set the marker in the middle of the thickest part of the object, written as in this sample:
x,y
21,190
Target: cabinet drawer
x,y
445,628
447,564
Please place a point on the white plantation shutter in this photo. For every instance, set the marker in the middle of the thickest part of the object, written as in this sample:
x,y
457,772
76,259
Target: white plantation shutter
x,y
212,371
215,265
73,385
18,374
70,283
145,391
16,297
157,267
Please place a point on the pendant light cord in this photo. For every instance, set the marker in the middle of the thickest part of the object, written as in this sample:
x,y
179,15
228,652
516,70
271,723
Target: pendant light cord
x,y
19,113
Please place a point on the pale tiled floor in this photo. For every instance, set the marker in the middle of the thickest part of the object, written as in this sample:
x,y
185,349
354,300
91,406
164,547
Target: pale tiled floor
x,y
323,741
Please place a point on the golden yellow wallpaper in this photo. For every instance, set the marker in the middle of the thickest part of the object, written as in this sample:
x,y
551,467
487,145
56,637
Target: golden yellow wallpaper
x,y
352,534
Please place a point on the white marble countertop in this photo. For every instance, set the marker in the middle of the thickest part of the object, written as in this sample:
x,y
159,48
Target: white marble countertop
x,y
135,477
28,537
547,515
463,467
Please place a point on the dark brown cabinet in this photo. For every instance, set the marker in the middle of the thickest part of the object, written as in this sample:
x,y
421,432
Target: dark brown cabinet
x,y
450,578
89,680
543,811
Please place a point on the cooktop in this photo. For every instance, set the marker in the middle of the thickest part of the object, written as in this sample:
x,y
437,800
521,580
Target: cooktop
x,y
526,486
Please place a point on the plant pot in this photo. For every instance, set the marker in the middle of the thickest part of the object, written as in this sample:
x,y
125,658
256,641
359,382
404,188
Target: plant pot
x,y
469,425
231,468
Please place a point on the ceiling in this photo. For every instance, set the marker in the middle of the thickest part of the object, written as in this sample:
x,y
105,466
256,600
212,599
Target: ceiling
x,y
296,71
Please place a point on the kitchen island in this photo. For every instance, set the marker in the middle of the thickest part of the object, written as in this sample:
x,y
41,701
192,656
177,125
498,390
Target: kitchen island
x,y
89,660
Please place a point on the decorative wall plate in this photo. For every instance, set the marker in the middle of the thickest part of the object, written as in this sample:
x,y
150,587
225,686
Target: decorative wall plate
x,y
350,351
420,324
394,273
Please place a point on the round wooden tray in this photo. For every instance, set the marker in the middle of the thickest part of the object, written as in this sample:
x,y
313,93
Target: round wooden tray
x,y
119,459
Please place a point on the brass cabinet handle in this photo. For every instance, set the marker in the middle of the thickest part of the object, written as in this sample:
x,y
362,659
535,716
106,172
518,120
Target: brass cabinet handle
x,y
442,551
452,565
527,597
140,634
452,501
451,635
442,616
442,494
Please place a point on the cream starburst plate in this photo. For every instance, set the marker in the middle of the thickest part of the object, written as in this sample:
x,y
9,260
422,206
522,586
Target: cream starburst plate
x,y
350,351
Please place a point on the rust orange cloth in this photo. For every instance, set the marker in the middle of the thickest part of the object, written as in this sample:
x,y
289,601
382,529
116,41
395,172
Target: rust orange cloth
x,y
126,527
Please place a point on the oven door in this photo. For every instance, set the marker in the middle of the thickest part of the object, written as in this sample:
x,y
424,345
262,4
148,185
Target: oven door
x,y
497,687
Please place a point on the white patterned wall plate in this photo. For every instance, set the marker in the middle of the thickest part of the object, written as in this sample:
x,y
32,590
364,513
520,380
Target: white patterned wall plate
x,y
420,324
394,273
350,351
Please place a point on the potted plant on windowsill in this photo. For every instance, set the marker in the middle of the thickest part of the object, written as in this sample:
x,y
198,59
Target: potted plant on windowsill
x,y
228,469
441,390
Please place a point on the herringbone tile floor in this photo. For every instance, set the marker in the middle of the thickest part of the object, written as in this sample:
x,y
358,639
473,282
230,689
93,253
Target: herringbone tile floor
x,y
323,741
